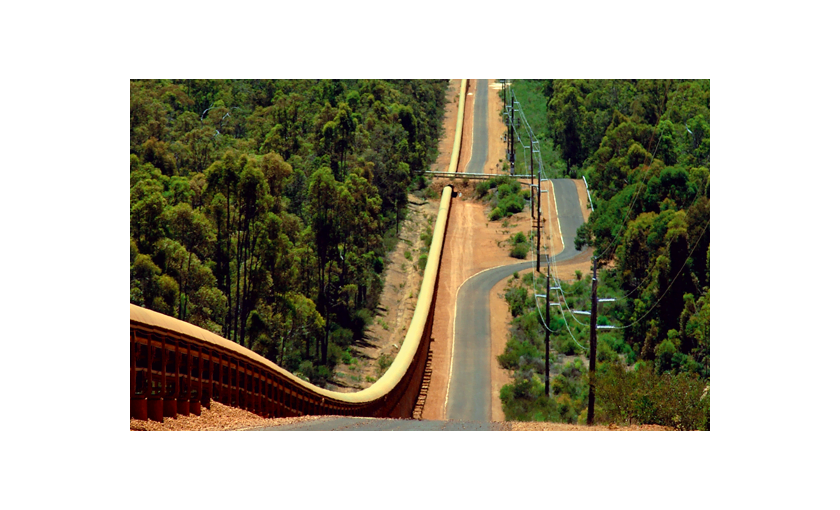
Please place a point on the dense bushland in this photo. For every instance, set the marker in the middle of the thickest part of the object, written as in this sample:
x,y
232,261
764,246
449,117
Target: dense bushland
x,y
644,147
264,210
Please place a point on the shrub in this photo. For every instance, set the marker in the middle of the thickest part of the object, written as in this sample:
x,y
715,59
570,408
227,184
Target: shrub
x,y
498,181
516,298
306,371
615,391
606,353
334,354
503,191
341,337
511,204
646,397
482,188
384,363
665,352
519,250
514,350
519,238
426,237
495,214
569,347
421,262
407,254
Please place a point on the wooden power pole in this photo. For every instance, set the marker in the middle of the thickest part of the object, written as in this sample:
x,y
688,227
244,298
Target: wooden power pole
x,y
547,322
593,343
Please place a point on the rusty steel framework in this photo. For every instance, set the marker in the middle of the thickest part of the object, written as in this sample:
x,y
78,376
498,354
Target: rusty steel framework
x,y
173,373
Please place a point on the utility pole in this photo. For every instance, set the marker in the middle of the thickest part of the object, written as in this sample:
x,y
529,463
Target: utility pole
x,y
531,147
593,343
547,322
512,127
539,220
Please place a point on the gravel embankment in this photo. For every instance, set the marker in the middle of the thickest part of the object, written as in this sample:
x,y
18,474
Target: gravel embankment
x,y
222,417
217,417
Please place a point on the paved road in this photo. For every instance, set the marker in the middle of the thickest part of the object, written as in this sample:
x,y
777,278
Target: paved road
x,y
469,388
376,424
479,137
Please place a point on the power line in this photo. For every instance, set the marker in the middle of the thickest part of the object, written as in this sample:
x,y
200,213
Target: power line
x,y
542,178
672,281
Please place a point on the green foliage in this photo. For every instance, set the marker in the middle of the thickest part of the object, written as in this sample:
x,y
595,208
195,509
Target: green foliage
x,y
643,396
512,204
514,351
384,363
525,400
644,148
517,298
421,262
532,100
506,199
264,210
481,189
709,265
665,357
520,250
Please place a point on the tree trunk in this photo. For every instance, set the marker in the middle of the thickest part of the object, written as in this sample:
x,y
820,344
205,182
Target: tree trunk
x,y
186,283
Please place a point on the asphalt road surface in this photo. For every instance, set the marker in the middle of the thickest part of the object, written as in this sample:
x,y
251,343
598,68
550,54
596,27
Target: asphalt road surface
x,y
376,424
479,136
469,387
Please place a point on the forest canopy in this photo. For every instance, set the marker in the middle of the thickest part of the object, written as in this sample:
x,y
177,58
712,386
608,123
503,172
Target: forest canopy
x,y
643,147
262,209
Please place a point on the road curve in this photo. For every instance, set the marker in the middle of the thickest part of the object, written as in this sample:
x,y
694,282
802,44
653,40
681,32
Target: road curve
x,y
469,396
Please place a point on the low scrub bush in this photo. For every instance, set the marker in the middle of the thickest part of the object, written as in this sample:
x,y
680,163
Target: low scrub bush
x,y
644,396
516,298
520,250
384,363
514,350
482,188
511,204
